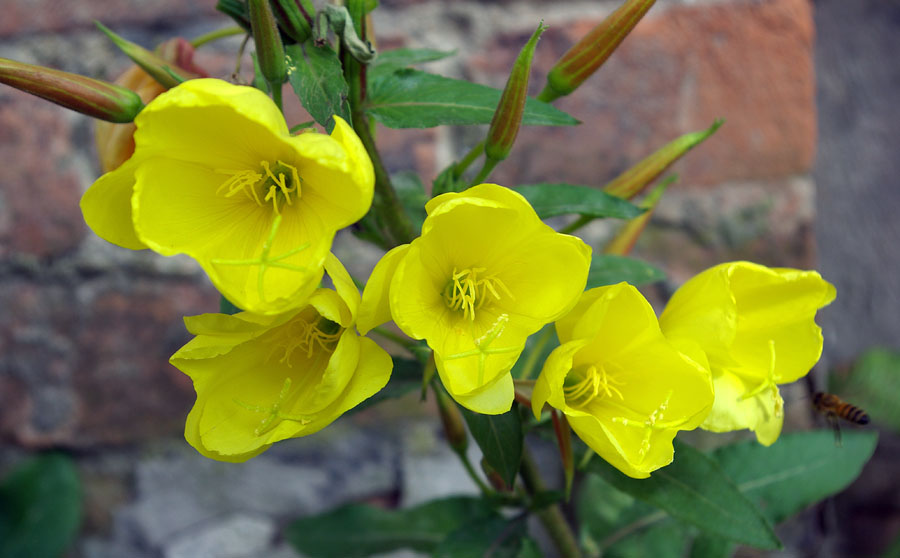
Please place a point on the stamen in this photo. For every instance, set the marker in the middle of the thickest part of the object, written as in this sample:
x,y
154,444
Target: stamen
x,y
279,184
594,383
300,334
467,291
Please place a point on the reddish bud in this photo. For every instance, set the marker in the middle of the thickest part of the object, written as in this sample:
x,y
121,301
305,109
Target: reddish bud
x,y
624,241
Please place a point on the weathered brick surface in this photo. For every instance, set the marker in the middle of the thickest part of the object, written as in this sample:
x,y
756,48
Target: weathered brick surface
x,y
87,363
682,67
27,16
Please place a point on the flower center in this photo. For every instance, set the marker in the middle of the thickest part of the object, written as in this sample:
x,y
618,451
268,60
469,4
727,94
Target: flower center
x,y
279,184
469,289
305,336
583,384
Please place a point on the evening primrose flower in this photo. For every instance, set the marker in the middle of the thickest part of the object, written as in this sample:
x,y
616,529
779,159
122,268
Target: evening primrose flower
x,y
261,379
625,389
217,176
756,326
485,274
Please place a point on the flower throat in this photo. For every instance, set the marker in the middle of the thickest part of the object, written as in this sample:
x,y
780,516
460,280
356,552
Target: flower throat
x,y
468,290
278,184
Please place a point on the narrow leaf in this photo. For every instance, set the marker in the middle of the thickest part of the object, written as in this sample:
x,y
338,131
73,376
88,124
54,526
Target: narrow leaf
x,y
549,200
798,470
40,507
609,269
709,546
317,78
495,537
357,530
412,196
390,61
500,440
694,489
415,99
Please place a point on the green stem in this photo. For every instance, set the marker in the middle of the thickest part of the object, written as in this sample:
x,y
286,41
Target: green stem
x,y
548,95
467,161
577,224
398,339
216,35
551,516
535,354
276,94
486,169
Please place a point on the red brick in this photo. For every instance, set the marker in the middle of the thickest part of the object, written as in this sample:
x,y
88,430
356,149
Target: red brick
x,y
28,16
94,369
40,187
748,62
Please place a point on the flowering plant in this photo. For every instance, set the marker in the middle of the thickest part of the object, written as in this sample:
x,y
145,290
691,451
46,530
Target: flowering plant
x,y
515,326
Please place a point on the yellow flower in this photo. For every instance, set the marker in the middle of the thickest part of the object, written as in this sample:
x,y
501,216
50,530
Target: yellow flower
x,y
624,388
261,379
485,274
217,176
756,326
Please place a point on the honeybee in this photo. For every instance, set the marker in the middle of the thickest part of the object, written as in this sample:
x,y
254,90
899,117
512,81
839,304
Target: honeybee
x,y
833,408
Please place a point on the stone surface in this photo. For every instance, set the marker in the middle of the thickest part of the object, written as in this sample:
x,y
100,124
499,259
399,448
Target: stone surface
x,y
749,62
235,536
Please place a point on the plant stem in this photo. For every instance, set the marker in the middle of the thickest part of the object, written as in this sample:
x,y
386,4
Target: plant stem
x,y
548,95
576,224
551,516
486,169
276,94
469,158
534,354
390,335
216,35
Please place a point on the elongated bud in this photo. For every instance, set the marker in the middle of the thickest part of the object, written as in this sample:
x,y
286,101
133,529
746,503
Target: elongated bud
x,y
624,241
588,54
92,97
269,48
631,182
564,439
295,18
494,477
508,117
166,73
452,420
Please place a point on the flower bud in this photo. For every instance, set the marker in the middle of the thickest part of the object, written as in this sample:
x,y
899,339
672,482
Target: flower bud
x,y
631,182
115,142
452,420
163,71
95,98
564,440
295,18
269,48
508,117
624,241
588,54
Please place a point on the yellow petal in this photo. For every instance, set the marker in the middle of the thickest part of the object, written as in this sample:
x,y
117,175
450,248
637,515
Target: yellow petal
x,y
106,207
733,410
375,307
494,398
343,284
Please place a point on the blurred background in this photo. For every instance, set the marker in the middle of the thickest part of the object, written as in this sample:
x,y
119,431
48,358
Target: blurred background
x,y
802,174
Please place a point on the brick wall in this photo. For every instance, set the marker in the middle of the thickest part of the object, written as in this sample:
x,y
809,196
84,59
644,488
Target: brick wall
x,y
86,328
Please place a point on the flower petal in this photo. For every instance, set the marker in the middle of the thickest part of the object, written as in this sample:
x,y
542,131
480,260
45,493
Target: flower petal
x,y
106,207
375,308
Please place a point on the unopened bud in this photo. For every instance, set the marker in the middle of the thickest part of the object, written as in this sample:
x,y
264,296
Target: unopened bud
x,y
452,420
92,97
624,241
295,18
588,54
508,117
494,477
631,182
165,72
115,142
564,440
269,48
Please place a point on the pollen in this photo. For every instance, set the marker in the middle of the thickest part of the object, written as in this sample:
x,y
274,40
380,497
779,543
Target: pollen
x,y
591,383
469,289
279,184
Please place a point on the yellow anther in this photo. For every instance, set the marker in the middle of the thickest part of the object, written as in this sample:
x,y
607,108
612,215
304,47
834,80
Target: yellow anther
x,y
594,383
306,336
279,184
467,291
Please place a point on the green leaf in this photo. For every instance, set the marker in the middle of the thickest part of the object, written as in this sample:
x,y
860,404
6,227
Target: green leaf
x,y
405,378
40,508
390,61
550,200
529,549
412,196
495,537
694,489
667,539
799,469
538,347
415,99
500,440
357,530
609,269
709,546
316,75
874,385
